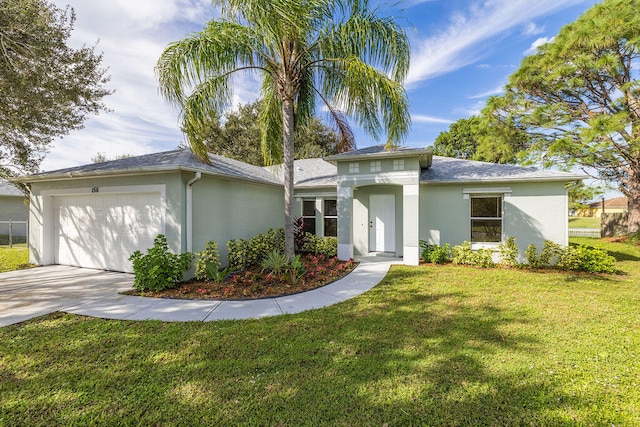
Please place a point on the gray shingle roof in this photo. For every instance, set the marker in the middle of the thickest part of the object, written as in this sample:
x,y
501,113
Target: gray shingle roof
x,y
166,161
8,189
379,151
450,170
315,173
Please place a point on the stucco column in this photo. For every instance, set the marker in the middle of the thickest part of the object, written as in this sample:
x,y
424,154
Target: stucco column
x,y
411,224
345,223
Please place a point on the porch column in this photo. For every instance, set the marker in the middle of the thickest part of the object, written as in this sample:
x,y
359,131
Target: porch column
x,y
411,224
345,223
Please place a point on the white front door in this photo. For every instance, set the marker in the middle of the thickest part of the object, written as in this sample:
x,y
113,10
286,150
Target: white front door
x,y
382,223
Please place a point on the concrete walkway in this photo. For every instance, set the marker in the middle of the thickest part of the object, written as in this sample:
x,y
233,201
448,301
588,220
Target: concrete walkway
x,y
30,293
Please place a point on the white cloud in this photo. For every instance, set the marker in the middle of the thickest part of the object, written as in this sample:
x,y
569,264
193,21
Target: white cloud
x,y
495,91
421,118
132,35
537,43
460,43
531,29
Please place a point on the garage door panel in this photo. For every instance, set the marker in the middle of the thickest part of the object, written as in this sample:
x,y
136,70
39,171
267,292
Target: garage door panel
x,y
102,230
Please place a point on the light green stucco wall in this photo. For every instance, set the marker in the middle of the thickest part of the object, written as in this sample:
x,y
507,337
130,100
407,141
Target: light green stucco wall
x,y
533,213
225,209
386,165
360,230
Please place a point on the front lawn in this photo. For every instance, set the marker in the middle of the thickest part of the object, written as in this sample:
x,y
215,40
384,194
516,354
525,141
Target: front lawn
x,y
430,345
13,258
584,222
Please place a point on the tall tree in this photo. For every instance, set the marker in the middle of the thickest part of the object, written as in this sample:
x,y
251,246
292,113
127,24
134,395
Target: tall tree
x,y
459,141
578,99
238,136
337,52
46,87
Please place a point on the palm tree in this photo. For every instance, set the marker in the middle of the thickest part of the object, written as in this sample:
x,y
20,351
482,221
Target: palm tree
x,y
338,53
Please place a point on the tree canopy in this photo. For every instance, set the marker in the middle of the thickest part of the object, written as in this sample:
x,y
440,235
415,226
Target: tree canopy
x,y
46,87
338,53
237,135
578,99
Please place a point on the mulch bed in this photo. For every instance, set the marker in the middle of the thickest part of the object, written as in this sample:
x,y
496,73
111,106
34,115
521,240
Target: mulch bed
x,y
255,283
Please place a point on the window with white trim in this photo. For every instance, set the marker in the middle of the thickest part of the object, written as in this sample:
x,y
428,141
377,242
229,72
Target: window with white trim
x,y
309,216
354,167
486,219
376,166
331,217
398,165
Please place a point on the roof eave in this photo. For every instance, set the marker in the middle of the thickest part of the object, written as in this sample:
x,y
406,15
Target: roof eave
x,y
568,178
135,171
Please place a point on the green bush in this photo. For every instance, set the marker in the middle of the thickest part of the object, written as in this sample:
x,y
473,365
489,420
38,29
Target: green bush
x,y
509,252
533,261
262,244
584,258
435,254
549,255
158,269
462,254
297,269
206,258
327,246
238,249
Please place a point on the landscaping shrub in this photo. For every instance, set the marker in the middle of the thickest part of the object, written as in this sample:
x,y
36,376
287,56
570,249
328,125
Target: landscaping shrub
x,y
206,259
550,253
435,254
584,258
262,244
238,250
327,246
509,252
462,254
159,269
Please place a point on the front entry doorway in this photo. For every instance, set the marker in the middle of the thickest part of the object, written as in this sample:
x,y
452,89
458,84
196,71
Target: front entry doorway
x,y
382,223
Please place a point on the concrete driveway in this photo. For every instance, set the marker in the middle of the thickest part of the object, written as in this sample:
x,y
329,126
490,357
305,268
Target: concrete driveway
x,y
34,292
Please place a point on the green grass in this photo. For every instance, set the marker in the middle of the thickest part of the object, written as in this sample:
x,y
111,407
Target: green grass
x,y
580,222
14,258
431,345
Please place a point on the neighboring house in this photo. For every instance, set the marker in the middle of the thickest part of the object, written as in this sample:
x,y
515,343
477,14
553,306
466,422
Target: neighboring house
x,y
373,200
595,209
13,207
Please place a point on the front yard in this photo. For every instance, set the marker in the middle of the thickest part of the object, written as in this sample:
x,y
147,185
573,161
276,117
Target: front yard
x,y
430,345
13,258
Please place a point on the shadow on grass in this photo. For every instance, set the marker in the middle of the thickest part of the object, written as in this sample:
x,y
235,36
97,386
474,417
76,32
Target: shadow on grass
x,y
403,354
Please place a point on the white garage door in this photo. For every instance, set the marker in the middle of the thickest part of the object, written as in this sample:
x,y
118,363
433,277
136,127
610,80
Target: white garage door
x,y
102,230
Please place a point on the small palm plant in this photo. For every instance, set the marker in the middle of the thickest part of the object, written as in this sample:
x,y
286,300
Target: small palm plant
x,y
276,262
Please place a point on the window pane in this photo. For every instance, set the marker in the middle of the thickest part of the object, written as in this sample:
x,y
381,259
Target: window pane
x,y
309,225
486,207
486,230
331,227
308,208
330,208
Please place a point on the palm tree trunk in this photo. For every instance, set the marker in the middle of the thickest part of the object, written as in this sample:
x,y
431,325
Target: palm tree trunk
x,y
287,140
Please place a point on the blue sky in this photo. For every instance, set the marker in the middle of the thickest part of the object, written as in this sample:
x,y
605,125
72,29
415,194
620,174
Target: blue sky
x,y
463,51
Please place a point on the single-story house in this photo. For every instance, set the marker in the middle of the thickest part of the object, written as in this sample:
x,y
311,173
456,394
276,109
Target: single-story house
x,y
596,209
373,200
13,207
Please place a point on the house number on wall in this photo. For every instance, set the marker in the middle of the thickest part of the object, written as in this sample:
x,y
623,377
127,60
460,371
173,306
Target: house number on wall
x,y
95,189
